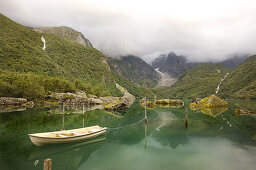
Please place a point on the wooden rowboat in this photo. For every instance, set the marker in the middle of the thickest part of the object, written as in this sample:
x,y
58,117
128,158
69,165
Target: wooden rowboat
x,y
66,136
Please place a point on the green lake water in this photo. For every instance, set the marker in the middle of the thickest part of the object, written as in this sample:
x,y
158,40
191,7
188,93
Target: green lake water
x,y
213,140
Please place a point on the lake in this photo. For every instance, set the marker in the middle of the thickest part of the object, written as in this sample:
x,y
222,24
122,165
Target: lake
x,y
214,139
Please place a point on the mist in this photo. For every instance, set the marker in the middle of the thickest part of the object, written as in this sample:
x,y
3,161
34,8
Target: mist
x,y
201,30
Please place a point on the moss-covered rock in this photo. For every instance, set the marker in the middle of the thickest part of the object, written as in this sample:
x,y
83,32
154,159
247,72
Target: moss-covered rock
x,y
119,103
212,102
212,105
149,104
116,106
170,102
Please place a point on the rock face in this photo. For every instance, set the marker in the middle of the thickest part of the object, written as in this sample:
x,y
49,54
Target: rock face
x,y
171,63
135,69
5,101
165,79
66,32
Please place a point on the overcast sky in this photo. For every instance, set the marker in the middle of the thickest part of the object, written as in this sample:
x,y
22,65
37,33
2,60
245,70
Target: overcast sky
x,y
202,30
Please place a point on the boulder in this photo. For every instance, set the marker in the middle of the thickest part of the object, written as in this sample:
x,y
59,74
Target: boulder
x,y
78,98
170,102
212,102
196,100
30,104
109,99
94,101
149,104
122,102
116,106
5,101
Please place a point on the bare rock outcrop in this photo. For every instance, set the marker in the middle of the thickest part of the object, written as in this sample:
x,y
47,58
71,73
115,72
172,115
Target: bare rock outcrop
x,y
66,32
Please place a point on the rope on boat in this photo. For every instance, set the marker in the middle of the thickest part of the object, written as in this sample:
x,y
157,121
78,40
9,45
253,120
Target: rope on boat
x,y
120,127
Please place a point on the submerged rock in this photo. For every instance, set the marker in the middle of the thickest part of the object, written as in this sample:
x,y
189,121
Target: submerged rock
x,y
243,112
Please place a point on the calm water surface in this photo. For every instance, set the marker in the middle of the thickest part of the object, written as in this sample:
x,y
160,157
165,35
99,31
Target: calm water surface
x,y
214,139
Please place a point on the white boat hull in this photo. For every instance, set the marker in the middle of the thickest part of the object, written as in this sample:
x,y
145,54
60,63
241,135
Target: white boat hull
x,y
40,141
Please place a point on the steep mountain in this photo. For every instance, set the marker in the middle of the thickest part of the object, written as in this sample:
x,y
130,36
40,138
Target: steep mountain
x,y
66,32
135,69
172,64
175,65
234,61
241,82
200,81
27,70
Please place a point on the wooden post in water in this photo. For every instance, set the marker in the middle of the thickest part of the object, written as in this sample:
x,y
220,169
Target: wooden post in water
x,y
186,122
47,164
83,116
146,130
63,118
146,117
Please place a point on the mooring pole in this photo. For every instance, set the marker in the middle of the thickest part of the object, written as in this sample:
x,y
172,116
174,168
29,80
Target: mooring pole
x,y
83,115
186,122
146,130
146,117
63,114
47,164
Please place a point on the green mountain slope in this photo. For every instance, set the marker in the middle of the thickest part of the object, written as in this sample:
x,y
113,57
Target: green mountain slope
x,y
25,65
241,82
135,69
200,81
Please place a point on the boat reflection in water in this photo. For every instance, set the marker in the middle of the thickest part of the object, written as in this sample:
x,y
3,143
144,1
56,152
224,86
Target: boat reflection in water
x,y
65,156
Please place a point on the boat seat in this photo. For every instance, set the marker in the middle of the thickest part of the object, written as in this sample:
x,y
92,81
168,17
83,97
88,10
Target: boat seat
x,y
59,135
93,130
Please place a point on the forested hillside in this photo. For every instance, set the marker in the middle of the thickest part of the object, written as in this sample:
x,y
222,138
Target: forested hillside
x,y
200,81
241,83
26,67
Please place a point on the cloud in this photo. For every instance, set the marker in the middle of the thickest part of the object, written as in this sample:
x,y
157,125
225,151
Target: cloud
x,y
202,30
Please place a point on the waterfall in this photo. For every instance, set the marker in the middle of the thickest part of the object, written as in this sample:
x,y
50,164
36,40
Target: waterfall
x,y
221,80
44,47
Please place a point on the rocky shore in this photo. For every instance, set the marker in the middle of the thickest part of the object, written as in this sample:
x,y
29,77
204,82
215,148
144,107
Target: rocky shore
x,y
79,98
